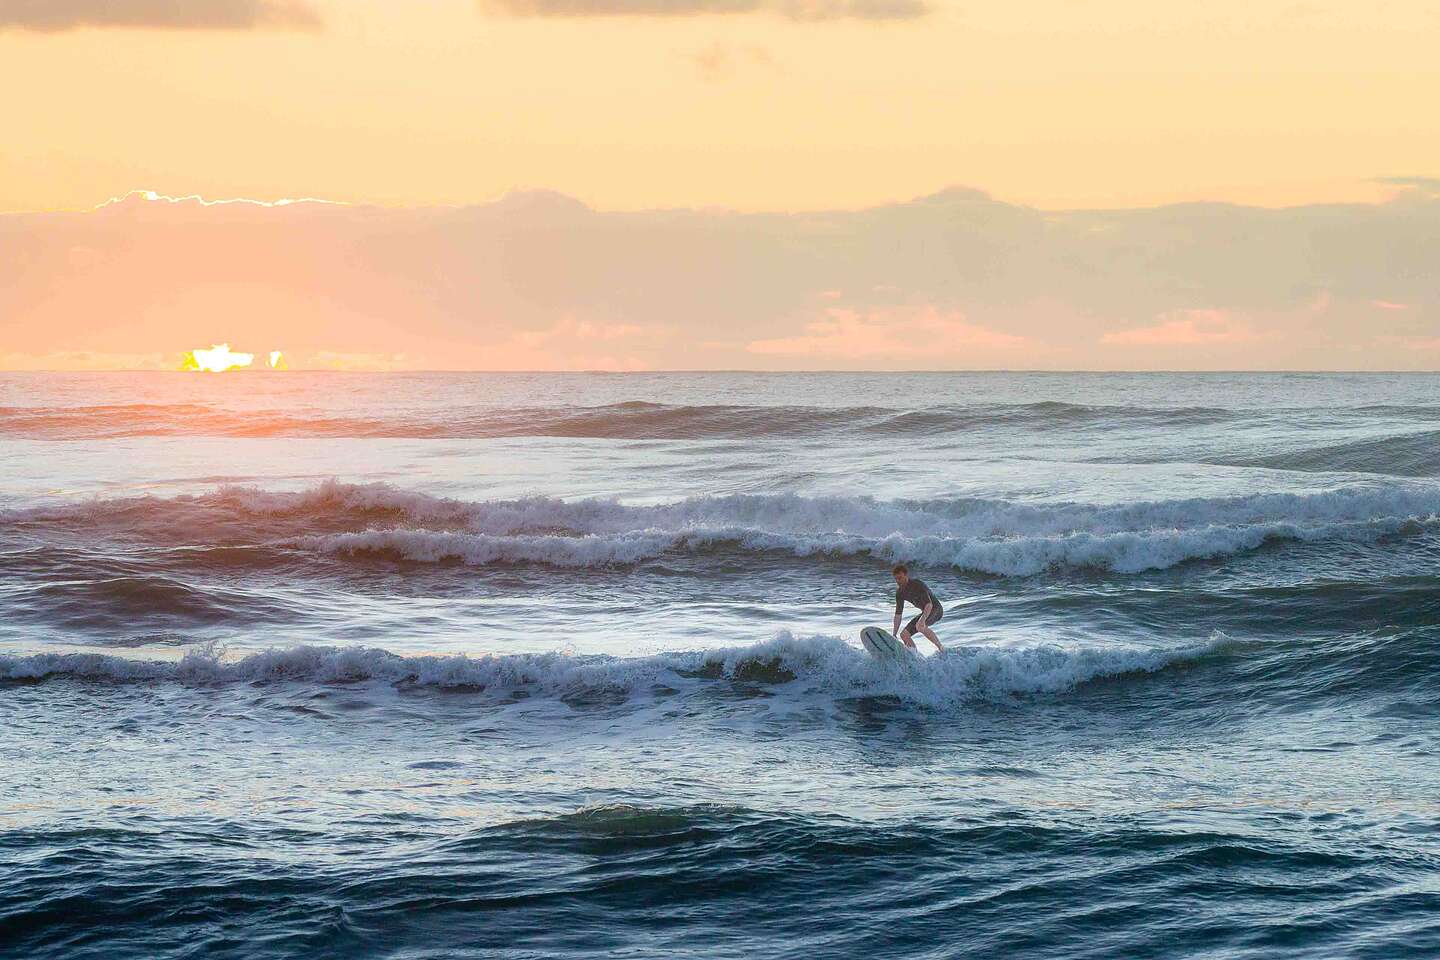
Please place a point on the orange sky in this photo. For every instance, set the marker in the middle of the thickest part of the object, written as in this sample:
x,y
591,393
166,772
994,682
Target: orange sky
x,y
771,184
846,103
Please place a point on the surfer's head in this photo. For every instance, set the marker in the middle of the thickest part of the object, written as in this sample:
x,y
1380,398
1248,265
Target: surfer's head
x,y
901,573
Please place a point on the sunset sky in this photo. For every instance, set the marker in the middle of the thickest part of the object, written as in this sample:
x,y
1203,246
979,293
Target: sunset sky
x,y
768,183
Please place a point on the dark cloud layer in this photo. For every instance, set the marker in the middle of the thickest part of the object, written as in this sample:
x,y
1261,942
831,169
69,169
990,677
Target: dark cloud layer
x,y
58,15
801,10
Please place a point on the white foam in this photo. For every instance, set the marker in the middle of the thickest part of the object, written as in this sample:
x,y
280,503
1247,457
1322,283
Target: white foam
x,y
430,546
1124,552
805,666
990,536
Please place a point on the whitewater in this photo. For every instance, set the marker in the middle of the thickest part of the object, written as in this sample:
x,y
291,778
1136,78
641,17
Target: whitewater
x,y
567,665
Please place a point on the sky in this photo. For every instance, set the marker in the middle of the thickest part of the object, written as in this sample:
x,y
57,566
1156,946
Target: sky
x,y
771,184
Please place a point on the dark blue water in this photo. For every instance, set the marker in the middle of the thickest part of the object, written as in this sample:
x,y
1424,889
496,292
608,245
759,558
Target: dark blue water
x,y
568,666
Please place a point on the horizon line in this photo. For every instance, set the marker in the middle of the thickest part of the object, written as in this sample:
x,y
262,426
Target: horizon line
x,y
1397,185
735,370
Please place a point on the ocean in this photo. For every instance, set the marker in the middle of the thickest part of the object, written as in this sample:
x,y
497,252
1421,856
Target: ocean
x,y
567,665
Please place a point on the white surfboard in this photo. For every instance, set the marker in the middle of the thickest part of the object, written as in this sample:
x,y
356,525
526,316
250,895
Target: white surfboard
x,y
884,645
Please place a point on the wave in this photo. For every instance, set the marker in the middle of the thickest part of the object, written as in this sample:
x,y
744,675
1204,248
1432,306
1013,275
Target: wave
x,y
839,873
1406,455
122,602
995,537
1127,552
816,664
631,420
1399,455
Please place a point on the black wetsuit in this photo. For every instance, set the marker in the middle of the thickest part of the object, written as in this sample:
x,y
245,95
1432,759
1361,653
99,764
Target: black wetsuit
x,y
918,594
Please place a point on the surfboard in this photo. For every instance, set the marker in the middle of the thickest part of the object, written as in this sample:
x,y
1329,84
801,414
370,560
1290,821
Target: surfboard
x,y
884,645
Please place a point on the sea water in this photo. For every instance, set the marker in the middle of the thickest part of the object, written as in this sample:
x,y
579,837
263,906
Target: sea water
x,y
554,665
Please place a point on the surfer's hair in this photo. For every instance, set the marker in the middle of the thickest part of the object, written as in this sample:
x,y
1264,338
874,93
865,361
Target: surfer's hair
x,y
900,568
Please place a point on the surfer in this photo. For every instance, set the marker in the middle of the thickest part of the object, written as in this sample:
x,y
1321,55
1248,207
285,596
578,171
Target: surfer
x,y
918,594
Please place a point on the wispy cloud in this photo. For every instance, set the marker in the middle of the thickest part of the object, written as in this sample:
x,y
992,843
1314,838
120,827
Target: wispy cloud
x,y
797,10
58,15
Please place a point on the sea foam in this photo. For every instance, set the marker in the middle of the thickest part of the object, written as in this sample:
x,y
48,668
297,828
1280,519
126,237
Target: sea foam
x,y
1006,538
817,664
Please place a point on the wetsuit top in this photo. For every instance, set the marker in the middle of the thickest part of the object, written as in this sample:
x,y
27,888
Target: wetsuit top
x,y
918,594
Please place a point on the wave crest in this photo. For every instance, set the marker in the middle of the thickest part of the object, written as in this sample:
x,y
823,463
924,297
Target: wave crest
x,y
825,665
989,536
630,420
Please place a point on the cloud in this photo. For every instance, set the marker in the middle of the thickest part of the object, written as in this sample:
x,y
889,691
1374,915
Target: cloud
x,y
1187,328
797,10
1428,187
59,15
87,360
571,344
540,281
718,60
923,337
336,360
1410,343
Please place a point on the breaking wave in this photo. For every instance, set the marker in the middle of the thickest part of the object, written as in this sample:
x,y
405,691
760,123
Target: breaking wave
x,y
996,537
816,664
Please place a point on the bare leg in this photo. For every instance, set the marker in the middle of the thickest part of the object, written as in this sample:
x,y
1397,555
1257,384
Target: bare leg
x,y
930,635
905,639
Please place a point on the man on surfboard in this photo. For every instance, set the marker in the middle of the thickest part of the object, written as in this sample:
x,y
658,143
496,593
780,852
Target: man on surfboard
x,y
917,594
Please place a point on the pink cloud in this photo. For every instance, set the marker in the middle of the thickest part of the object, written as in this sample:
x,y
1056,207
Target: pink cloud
x,y
569,344
88,360
916,334
337,360
1410,343
1187,328
540,281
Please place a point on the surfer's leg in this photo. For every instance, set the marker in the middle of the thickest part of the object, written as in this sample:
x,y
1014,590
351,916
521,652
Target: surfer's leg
x,y
909,632
929,633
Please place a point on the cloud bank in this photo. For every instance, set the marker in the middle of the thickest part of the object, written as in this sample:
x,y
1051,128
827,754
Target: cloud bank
x,y
799,10
540,281
58,15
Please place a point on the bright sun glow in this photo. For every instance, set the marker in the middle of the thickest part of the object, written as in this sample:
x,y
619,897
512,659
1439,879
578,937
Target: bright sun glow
x,y
217,359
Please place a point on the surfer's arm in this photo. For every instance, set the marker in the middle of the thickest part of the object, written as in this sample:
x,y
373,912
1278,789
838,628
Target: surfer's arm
x,y
899,609
924,615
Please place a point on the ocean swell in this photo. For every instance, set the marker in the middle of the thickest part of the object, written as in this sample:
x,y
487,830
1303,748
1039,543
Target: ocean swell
x,y
630,420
